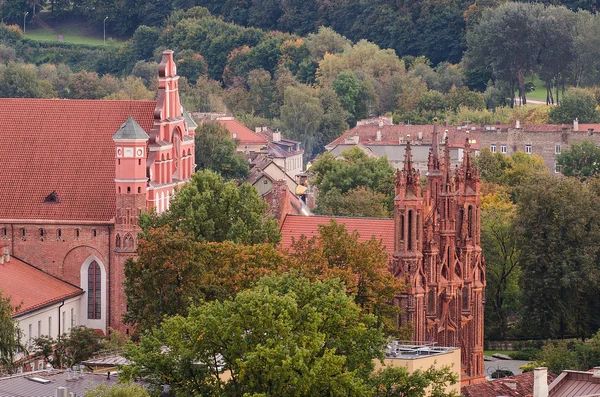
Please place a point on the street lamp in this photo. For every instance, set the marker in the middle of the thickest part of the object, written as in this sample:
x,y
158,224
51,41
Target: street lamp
x,y
105,30
24,16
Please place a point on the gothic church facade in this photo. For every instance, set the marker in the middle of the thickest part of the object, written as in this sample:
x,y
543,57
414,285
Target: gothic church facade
x,y
437,248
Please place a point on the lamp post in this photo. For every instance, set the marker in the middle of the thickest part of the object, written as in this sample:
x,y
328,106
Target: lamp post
x,y
105,30
24,16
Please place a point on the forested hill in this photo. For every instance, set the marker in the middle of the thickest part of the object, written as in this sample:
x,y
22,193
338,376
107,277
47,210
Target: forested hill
x,y
432,28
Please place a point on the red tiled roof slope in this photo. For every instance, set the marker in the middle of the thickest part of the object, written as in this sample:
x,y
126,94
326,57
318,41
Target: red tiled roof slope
x,y
62,145
295,226
243,133
512,386
31,288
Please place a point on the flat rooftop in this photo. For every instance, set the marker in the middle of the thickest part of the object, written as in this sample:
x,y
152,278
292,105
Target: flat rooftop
x,y
411,351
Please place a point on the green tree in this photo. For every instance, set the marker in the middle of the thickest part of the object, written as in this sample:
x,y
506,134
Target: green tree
x,y
493,37
363,266
10,335
69,349
397,382
353,96
301,115
216,151
557,230
432,101
578,103
499,242
208,208
360,201
172,272
286,336
118,390
581,160
20,81
352,170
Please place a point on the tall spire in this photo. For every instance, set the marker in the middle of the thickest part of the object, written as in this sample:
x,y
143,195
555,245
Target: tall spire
x,y
447,171
435,148
408,155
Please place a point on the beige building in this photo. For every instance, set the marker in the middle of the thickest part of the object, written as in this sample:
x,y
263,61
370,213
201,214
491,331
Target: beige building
x,y
545,140
422,357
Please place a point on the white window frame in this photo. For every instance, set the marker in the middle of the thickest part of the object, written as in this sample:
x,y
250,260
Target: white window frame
x,y
493,148
557,148
503,149
528,149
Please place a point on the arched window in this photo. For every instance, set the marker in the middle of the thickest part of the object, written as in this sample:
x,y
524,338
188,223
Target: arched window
x,y
470,220
94,291
128,242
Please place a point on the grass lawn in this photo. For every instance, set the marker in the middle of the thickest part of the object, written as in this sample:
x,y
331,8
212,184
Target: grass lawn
x,y
74,32
490,352
540,89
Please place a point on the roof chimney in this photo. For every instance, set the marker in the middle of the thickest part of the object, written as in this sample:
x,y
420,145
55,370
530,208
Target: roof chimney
x,y
276,136
5,255
518,124
540,382
596,372
378,136
576,124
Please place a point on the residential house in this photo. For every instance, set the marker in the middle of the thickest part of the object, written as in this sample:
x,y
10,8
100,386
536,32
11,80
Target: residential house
x,y
286,153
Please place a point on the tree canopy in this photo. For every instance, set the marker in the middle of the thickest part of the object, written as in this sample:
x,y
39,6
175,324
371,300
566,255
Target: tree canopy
x,y
10,335
208,208
286,336
581,160
217,152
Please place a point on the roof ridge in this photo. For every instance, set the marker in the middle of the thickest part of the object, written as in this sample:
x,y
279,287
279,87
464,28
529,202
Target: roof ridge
x,y
46,273
342,217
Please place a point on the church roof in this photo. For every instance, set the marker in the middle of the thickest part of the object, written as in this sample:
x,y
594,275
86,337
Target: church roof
x,y
130,129
30,288
64,146
294,226
189,120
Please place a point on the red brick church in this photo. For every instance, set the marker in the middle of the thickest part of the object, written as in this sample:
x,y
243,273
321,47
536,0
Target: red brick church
x,y
76,174
434,242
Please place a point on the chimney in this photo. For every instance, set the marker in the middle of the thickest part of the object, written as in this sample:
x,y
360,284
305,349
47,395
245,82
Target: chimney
x,y
378,136
420,135
257,129
62,391
276,136
590,131
5,256
576,124
596,372
518,124
540,382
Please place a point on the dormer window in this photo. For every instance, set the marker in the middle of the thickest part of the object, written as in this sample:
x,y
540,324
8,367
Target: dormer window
x,y
52,198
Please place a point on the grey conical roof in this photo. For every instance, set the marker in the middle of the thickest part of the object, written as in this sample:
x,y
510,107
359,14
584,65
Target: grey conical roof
x,y
130,129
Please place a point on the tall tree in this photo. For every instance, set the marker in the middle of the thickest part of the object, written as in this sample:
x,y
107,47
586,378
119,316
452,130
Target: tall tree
x,y
557,234
301,115
208,208
581,160
577,103
10,335
216,151
286,336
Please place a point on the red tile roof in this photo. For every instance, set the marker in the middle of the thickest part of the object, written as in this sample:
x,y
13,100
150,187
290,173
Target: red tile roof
x,y
66,146
242,133
512,386
294,226
31,288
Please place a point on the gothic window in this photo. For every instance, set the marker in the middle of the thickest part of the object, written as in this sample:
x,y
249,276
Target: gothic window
x,y
4,232
128,242
42,234
410,226
77,234
470,221
59,234
401,227
23,233
176,153
94,291
118,241
94,233
466,298
431,300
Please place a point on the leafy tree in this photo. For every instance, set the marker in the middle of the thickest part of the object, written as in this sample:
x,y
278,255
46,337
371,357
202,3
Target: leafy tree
x,y
301,115
352,170
172,272
286,336
362,266
10,335
118,390
360,201
142,44
397,382
490,40
499,242
210,209
69,349
325,41
432,101
191,65
581,160
353,95
19,81
459,97
557,229
216,151
578,103
261,90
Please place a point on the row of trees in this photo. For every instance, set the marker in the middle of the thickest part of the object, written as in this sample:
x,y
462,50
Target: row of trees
x,y
539,234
